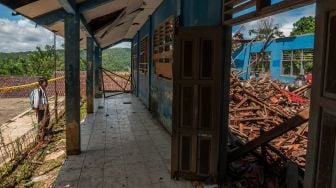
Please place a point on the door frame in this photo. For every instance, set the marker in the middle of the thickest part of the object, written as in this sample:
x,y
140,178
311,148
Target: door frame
x,y
220,131
263,8
321,101
227,23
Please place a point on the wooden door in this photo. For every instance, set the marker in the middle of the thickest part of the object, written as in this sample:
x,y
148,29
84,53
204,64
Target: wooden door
x,y
321,157
197,71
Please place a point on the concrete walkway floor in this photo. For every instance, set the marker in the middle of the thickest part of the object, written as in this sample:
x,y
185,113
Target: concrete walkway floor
x,y
122,146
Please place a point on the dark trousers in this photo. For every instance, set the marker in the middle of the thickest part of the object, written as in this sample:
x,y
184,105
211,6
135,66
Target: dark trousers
x,y
43,122
40,116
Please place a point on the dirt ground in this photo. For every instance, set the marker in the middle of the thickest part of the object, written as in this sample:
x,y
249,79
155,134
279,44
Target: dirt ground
x,y
11,107
11,130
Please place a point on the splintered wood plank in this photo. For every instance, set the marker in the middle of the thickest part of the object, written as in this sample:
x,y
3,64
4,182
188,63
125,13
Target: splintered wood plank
x,y
296,121
164,69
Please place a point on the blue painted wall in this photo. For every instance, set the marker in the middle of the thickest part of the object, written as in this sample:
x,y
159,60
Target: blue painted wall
x,y
143,83
158,96
201,12
276,47
162,89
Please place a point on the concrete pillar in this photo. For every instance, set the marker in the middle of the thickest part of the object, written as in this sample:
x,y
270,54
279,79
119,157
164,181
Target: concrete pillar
x,y
89,76
72,83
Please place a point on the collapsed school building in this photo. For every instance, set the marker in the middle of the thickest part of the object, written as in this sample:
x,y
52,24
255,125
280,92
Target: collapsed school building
x,y
181,73
284,58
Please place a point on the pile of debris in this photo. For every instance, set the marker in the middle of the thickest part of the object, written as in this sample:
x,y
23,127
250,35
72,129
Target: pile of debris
x,y
260,107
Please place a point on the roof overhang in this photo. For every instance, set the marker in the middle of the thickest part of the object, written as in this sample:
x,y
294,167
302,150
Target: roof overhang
x,y
107,21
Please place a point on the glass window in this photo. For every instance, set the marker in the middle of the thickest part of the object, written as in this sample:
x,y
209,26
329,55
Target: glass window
x,y
297,62
286,67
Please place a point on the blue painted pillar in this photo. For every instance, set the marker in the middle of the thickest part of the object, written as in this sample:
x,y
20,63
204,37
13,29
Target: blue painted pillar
x,y
96,71
150,62
276,58
100,58
138,64
72,83
246,58
89,76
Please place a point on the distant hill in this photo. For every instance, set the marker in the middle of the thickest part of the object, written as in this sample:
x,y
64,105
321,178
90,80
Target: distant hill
x,y
13,55
116,59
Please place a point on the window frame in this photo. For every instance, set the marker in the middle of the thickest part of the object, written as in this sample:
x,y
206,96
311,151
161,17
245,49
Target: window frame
x,y
302,61
144,51
134,58
160,57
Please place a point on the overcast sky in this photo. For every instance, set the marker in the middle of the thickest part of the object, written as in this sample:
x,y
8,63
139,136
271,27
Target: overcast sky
x,y
18,34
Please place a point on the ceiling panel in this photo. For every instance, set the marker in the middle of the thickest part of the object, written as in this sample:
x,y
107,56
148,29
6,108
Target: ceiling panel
x,y
38,8
136,14
104,9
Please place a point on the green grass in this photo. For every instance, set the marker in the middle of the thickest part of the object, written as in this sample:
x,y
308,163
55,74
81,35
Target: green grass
x,y
83,112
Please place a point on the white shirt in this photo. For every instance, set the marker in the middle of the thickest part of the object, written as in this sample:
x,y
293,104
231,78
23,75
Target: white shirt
x,y
39,102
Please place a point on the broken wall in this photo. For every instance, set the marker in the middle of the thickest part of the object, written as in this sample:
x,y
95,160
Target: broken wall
x,y
162,88
276,47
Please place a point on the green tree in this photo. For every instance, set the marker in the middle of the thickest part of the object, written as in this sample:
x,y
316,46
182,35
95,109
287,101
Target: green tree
x,y
42,62
15,66
265,29
304,25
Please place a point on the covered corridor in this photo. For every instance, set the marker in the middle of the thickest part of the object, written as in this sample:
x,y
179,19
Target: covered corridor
x,y
122,146
181,50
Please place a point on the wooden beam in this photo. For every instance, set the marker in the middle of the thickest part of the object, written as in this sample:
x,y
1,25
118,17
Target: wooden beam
x,y
88,29
241,7
72,83
290,124
14,4
89,75
245,109
87,5
68,6
262,4
102,22
233,3
110,27
59,14
50,18
242,119
285,5
225,94
277,8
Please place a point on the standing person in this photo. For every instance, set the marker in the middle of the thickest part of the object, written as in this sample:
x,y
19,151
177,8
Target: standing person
x,y
41,106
